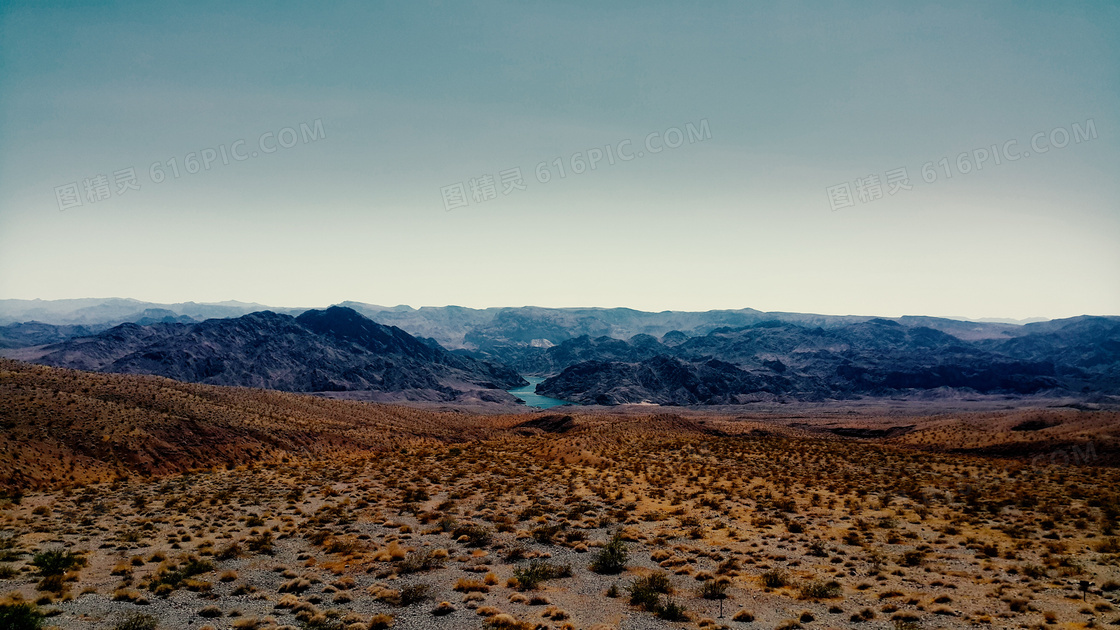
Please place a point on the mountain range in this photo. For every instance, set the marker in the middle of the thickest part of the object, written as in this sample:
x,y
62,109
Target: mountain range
x,y
586,355
336,350
778,360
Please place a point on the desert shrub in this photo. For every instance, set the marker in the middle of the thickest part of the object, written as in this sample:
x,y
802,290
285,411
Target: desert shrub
x,y
381,622
464,585
477,535
230,552
816,589
645,591
20,616
713,589
775,578
912,558
545,533
611,559
444,608
341,546
261,543
194,566
51,583
1109,545
414,593
420,561
137,621
864,615
295,585
322,622
530,577
1033,571
743,616
503,621
672,611
56,562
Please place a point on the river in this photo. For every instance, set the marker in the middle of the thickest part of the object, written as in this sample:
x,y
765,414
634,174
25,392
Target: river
x,y
532,398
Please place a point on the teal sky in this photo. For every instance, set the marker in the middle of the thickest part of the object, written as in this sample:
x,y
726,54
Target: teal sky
x,y
796,97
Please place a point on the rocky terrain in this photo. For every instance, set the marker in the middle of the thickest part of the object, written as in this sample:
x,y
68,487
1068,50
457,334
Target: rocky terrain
x,y
137,502
505,332
776,360
590,356
336,350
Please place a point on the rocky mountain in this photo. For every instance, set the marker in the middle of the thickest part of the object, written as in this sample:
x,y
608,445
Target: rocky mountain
x,y
517,336
333,350
778,360
622,355
25,334
105,312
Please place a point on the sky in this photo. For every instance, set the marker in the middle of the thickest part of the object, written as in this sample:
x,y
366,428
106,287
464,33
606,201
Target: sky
x,y
949,159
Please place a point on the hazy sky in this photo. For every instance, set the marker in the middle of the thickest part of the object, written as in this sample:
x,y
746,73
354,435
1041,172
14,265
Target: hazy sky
x,y
790,102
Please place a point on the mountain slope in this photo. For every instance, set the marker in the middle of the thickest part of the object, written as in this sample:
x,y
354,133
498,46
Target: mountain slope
x,y
335,350
63,426
879,357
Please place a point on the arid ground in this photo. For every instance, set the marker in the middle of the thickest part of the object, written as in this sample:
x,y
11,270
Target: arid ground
x,y
138,502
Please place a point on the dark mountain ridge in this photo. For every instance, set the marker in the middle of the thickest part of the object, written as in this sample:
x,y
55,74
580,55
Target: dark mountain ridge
x,y
334,350
880,357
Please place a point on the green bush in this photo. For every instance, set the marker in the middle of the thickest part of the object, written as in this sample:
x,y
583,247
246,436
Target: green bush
x,y
56,562
20,616
529,578
611,559
477,535
194,567
672,611
645,592
261,544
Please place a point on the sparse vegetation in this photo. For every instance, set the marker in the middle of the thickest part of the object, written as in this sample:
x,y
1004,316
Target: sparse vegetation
x,y
834,531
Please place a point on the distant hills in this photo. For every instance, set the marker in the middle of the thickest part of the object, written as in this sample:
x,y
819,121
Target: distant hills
x,y
778,360
514,335
588,355
336,350
106,312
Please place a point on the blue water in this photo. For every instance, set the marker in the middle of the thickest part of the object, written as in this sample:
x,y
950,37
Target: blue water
x,y
533,399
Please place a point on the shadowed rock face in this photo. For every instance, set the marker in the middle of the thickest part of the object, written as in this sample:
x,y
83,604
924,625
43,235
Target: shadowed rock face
x,y
334,350
778,360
